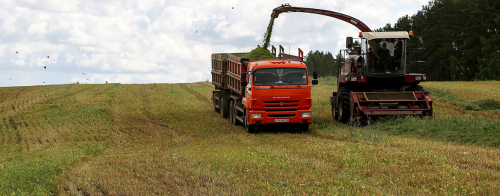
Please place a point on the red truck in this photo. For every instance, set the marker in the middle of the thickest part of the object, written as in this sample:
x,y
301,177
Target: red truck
x,y
255,92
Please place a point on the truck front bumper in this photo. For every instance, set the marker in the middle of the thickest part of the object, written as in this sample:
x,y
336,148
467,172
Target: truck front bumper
x,y
271,117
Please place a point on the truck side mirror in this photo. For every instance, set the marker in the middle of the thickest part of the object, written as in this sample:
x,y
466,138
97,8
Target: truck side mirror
x,y
244,78
315,75
348,42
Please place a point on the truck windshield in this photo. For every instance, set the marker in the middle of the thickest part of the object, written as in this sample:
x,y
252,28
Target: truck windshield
x,y
280,76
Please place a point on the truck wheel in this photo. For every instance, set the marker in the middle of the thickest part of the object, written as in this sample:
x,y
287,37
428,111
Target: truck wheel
x,y
249,128
224,107
344,106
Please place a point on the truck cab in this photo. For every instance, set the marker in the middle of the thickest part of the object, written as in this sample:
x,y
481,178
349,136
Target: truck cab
x,y
256,92
278,91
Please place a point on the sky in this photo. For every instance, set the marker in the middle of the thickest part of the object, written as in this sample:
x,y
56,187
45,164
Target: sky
x,y
158,41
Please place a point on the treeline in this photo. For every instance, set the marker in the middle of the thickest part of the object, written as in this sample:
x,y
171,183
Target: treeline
x,y
322,62
461,39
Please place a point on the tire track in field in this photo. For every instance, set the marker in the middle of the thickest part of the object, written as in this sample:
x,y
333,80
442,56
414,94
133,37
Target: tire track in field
x,y
197,95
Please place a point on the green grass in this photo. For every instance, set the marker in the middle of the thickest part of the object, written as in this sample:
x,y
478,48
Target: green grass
x,y
34,173
489,105
464,130
166,139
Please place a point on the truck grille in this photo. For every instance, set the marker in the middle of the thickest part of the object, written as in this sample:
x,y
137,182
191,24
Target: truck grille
x,y
281,104
281,109
280,115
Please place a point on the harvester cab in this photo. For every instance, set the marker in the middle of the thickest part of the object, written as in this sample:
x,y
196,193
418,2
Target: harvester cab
x,y
373,79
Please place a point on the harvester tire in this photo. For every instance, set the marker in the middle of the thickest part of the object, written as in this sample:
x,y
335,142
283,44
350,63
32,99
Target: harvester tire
x,y
224,108
419,88
334,109
344,105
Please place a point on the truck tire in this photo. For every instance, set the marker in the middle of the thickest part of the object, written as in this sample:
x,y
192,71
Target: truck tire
x,y
249,128
224,108
344,105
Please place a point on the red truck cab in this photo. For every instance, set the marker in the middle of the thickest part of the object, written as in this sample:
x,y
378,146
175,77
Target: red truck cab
x,y
277,91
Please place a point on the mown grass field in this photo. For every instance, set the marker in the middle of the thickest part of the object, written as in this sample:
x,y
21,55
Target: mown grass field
x,y
126,139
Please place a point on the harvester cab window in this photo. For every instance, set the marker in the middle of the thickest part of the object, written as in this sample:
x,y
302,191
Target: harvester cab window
x,y
388,56
280,76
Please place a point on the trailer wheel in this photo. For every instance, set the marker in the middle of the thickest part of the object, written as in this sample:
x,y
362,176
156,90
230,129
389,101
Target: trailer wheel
x,y
344,105
235,114
224,107
215,94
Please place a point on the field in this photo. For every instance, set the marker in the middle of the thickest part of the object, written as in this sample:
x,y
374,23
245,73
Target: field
x,y
127,139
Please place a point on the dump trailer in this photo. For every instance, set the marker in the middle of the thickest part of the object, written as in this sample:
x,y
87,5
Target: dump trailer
x,y
254,92
373,80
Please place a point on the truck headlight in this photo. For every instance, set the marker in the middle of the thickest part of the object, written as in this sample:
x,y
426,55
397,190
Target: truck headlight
x,y
425,78
354,79
418,78
306,114
257,115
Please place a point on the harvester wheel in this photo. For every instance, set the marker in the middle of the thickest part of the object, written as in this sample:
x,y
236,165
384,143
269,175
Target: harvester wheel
x,y
344,105
224,107
419,88
334,109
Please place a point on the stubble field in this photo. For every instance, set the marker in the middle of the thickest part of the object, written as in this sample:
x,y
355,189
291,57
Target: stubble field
x,y
126,139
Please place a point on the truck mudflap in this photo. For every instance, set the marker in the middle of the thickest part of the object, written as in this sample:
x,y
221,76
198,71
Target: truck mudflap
x,y
365,104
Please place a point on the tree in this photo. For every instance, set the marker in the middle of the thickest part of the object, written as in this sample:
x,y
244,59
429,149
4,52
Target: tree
x,y
322,62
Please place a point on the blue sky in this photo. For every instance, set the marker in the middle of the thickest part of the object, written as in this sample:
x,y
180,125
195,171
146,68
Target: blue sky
x,y
98,41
